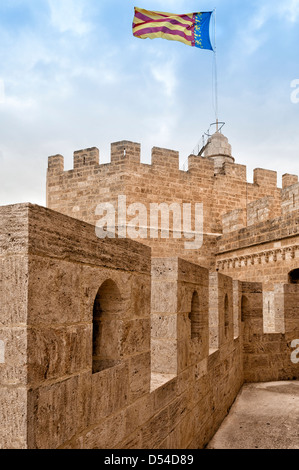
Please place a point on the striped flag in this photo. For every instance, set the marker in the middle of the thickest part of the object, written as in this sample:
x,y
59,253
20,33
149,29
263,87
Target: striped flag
x,y
192,29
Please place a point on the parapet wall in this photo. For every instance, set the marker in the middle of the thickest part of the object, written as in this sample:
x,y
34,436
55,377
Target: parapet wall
x,y
267,357
63,401
290,198
265,252
84,362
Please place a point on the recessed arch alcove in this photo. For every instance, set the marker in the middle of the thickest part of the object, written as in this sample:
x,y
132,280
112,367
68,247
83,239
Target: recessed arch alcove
x,y
244,308
194,316
106,323
226,316
294,276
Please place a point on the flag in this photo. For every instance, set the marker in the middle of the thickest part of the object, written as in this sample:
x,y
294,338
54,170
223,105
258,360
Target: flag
x,y
192,29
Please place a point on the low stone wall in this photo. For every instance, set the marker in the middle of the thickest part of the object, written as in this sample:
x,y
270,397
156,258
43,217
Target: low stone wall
x,y
267,357
51,396
103,347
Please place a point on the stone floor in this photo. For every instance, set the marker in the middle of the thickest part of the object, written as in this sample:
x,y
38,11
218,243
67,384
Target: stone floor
x,y
264,416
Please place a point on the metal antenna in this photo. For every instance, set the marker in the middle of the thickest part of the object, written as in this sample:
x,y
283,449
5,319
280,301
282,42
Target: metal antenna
x,y
216,73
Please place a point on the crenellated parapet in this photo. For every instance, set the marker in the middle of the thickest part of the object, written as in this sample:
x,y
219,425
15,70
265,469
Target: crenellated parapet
x,y
56,164
289,180
200,166
290,198
265,208
124,153
265,178
214,180
168,159
87,157
125,351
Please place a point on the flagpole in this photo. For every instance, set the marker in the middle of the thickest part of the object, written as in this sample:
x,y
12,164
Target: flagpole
x,y
216,73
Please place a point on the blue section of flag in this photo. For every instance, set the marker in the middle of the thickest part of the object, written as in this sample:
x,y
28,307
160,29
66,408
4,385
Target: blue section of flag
x,y
202,30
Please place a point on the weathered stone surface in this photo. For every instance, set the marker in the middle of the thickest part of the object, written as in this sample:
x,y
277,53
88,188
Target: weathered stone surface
x,y
111,343
55,352
107,434
80,243
53,413
14,290
140,377
13,417
45,276
13,369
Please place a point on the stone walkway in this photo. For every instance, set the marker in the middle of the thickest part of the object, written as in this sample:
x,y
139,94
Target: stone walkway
x,y
264,416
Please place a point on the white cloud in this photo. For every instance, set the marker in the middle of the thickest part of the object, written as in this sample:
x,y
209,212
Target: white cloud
x,y
2,91
253,36
164,74
288,9
68,15
17,104
291,10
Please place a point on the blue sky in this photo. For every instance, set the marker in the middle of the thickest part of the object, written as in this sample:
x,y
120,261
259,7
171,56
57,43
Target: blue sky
x,y
73,76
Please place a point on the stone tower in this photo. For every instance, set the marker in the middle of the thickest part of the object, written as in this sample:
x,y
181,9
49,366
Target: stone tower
x,y
219,150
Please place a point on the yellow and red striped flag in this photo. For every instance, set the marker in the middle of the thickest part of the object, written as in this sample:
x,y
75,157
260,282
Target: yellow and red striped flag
x,y
192,29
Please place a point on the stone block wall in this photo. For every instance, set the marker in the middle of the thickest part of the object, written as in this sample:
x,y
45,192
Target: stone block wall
x,y
273,310
290,199
265,178
13,326
267,357
221,310
106,348
259,211
52,393
265,252
77,192
234,220
288,180
179,307
49,393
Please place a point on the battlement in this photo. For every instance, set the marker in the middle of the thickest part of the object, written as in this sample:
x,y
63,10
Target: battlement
x,y
144,343
122,152
168,159
290,197
288,180
142,349
56,163
200,166
235,171
263,177
126,152
215,180
86,157
260,233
